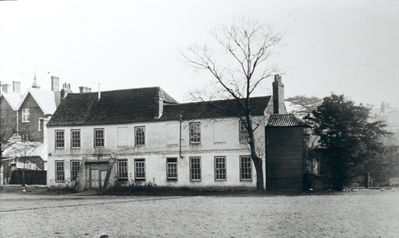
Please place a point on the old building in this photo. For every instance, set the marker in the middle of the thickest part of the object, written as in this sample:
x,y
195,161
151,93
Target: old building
x,y
9,102
143,136
23,118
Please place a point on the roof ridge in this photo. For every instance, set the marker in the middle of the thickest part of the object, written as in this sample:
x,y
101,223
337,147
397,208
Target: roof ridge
x,y
219,100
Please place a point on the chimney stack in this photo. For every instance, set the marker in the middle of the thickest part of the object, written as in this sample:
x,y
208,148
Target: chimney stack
x,y
83,89
5,88
16,87
278,96
66,88
55,83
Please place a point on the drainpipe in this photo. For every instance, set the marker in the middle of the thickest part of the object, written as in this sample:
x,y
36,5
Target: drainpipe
x,y
181,119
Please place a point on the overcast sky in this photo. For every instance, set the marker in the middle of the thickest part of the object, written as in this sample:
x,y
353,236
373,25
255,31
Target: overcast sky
x,y
349,47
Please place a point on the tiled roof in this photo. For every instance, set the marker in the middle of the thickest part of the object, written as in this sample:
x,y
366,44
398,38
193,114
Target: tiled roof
x,y
213,109
285,120
141,105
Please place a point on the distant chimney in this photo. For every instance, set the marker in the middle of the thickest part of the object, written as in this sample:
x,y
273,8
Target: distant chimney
x,y
83,89
278,96
66,88
55,84
16,86
5,88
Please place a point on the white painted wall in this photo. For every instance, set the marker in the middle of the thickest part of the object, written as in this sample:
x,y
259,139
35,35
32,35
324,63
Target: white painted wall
x,y
219,137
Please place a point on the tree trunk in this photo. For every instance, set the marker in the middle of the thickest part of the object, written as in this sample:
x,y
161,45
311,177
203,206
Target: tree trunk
x,y
259,174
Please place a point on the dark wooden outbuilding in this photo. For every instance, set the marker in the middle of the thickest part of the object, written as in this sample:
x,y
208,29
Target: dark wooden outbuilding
x,y
285,153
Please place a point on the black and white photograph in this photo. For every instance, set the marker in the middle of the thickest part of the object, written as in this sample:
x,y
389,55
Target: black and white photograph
x,y
224,118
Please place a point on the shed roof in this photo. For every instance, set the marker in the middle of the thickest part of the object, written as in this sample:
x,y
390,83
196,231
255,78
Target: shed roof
x,y
285,120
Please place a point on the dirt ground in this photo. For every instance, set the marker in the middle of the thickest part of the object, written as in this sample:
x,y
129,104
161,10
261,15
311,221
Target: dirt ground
x,y
363,213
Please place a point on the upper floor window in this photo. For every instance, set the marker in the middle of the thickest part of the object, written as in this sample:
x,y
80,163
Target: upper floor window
x,y
245,168
139,169
75,139
243,133
139,135
59,139
25,115
195,132
171,168
122,169
40,124
99,137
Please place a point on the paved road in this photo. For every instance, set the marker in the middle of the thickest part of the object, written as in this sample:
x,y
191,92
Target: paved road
x,y
358,214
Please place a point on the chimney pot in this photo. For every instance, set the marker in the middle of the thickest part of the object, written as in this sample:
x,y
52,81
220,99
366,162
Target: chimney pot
x,y
84,89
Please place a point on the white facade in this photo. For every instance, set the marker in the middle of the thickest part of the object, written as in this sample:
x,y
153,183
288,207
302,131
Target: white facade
x,y
219,137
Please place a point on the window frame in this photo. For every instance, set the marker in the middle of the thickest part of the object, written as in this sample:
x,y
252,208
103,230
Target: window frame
x,y
72,139
56,139
119,172
25,114
192,135
136,128
137,161
57,171
241,138
168,178
95,138
241,168
218,169
72,170
199,168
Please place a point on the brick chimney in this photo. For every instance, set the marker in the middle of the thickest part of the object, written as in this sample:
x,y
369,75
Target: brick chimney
x,y
84,89
55,84
66,88
16,87
278,96
5,88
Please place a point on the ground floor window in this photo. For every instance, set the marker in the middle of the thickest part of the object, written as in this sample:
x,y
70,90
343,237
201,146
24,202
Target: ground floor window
x,y
122,169
195,168
171,169
245,168
139,169
220,168
59,171
75,165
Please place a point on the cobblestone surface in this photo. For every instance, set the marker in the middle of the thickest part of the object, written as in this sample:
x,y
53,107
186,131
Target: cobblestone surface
x,y
364,213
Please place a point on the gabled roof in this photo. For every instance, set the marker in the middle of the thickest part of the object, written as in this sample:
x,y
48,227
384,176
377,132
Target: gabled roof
x,y
13,99
44,98
213,109
141,105
118,106
285,120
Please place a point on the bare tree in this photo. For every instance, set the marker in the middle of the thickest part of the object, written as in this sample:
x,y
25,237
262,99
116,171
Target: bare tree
x,y
245,48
